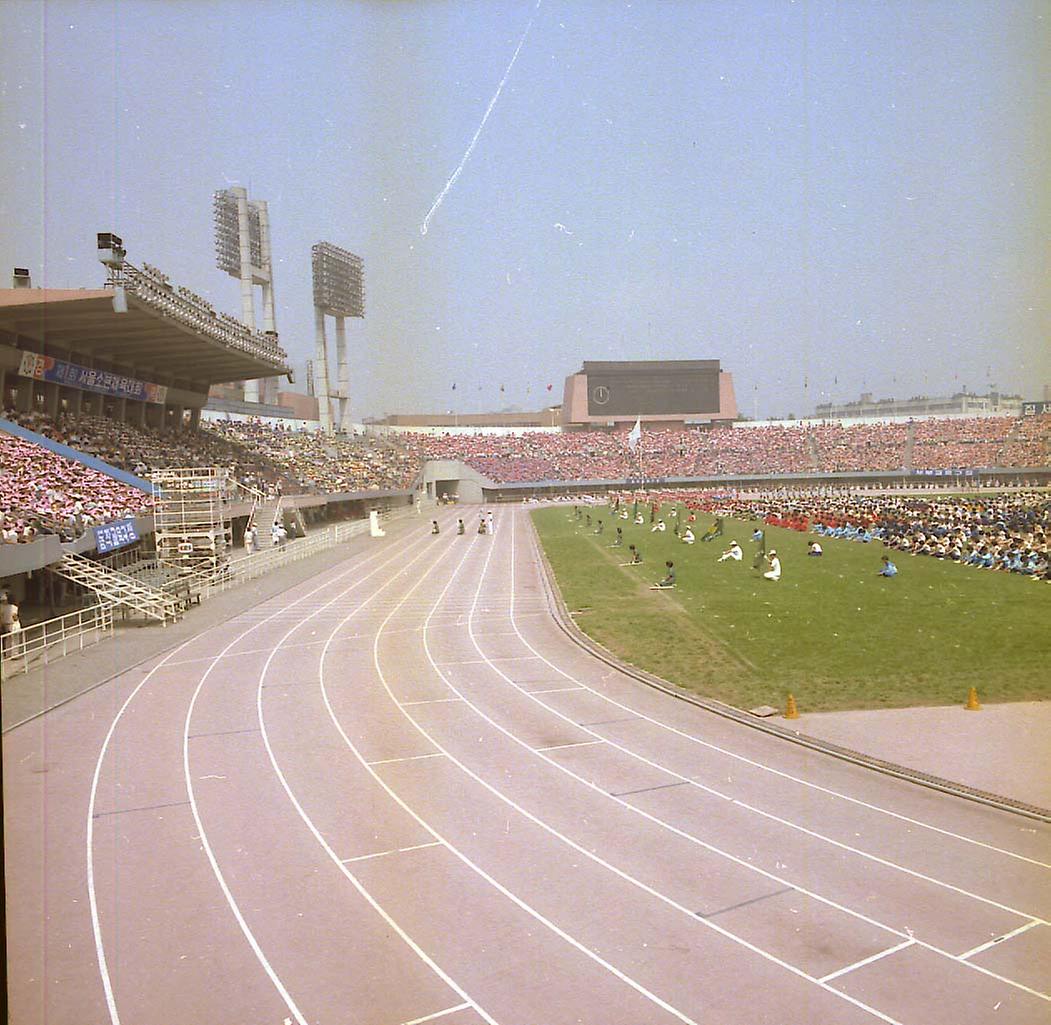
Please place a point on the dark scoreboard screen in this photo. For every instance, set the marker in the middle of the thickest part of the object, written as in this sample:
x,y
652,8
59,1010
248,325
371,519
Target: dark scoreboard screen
x,y
653,388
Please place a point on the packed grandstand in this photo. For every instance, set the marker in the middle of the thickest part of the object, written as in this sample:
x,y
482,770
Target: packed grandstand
x,y
41,490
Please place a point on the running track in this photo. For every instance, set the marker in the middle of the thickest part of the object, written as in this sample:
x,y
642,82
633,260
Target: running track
x,y
398,793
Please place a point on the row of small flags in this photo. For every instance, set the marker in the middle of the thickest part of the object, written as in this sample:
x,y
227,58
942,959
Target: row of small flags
x,y
528,389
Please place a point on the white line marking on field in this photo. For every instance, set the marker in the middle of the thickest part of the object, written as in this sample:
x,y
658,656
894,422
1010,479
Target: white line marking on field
x,y
556,690
90,836
429,701
513,897
1000,939
867,960
577,743
309,823
437,1014
466,662
407,758
779,772
571,843
731,857
393,850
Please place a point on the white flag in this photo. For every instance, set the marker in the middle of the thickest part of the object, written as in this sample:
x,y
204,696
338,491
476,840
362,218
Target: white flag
x,y
635,434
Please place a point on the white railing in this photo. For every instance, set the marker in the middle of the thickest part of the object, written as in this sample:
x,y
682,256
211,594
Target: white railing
x,y
45,642
53,639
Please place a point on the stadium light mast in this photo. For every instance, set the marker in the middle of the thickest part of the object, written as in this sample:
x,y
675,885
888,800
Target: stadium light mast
x,y
339,291
242,250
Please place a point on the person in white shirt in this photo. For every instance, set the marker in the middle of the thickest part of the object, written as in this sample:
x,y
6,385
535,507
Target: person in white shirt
x,y
814,549
687,537
774,572
658,526
733,552
9,623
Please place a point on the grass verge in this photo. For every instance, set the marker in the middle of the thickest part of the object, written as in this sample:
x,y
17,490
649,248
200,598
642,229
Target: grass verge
x,y
831,631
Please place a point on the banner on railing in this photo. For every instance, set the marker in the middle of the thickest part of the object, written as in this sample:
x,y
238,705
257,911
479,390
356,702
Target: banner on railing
x,y
117,534
47,368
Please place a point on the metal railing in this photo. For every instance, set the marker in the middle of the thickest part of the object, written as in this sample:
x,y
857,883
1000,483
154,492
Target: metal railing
x,y
53,639
48,641
198,314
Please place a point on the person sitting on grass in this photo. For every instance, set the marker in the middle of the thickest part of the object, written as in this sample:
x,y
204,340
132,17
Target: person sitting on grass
x,y
636,557
658,527
774,572
618,541
714,531
733,552
669,577
599,528
640,520
814,549
687,537
888,569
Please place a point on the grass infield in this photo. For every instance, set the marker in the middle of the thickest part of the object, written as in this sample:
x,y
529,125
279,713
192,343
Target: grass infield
x,y
831,630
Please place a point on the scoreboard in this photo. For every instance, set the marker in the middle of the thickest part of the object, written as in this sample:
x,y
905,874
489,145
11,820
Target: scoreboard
x,y
652,387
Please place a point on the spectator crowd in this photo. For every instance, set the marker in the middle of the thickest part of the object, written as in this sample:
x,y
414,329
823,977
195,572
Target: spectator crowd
x,y
41,490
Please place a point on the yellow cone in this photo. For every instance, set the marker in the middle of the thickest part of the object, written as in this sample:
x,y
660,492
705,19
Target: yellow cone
x,y
791,712
972,701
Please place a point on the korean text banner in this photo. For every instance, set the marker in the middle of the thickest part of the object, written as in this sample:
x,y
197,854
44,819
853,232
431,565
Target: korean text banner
x,y
105,382
115,535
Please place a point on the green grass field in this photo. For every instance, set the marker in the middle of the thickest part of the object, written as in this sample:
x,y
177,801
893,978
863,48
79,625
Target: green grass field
x,y
831,631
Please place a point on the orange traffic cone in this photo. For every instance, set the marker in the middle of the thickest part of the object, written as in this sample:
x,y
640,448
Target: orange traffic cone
x,y
791,712
972,701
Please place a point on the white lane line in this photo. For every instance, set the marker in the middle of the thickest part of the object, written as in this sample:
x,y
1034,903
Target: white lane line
x,y
498,886
90,836
576,743
464,662
431,701
771,769
638,883
715,850
743,804
556,690
407,758
437,1014
309,823
867,960
393,850
1000,939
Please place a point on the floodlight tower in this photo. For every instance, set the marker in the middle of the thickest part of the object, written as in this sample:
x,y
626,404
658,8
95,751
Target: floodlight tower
x,y
242,249
339,291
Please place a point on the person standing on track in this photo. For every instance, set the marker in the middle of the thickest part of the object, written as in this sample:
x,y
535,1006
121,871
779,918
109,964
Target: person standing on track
x,y
490,522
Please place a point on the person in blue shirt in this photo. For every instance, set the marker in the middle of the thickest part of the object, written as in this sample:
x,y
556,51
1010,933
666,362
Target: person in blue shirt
x,y
888,569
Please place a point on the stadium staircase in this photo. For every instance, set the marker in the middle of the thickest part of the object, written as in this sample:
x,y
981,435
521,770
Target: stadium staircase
x,y
116,588
265,513
910,443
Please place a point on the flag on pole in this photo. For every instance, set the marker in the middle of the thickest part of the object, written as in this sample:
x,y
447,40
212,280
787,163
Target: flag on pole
x,y
635,434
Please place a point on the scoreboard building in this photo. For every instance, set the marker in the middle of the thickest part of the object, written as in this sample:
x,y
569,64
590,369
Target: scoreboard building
x,y
662,393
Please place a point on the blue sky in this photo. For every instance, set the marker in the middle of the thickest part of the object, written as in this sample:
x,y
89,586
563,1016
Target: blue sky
x,y
829,198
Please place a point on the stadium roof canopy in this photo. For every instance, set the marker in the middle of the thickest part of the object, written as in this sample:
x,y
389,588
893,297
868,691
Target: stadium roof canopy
x,y
165,331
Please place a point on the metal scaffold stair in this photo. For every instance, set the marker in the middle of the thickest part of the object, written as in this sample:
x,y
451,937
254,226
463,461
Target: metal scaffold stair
x,y
264,514
116,588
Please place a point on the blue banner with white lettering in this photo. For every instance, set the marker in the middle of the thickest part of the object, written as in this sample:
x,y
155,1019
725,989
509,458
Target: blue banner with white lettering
x,y
117,534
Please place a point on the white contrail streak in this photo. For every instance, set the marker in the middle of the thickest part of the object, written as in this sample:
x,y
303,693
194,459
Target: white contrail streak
x,y
474,140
